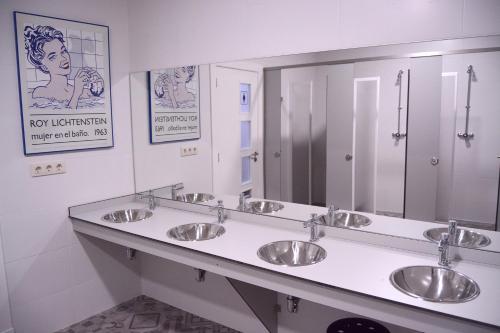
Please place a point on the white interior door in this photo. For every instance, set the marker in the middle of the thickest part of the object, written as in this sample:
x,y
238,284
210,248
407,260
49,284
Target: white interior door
x,y
237,129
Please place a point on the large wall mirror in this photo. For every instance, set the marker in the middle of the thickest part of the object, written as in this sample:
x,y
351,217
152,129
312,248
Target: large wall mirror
x,y
410,131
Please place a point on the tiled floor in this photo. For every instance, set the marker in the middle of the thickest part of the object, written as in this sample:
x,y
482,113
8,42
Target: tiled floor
x,y
145,315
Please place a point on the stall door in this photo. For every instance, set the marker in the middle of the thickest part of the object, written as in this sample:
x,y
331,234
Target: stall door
x,y
423,138
475,168
303,134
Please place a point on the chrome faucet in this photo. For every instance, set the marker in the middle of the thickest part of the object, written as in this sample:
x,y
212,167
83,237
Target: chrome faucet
x,y
331,214
243,205
220,211
151,199
313,223
175,188
443,248
452,231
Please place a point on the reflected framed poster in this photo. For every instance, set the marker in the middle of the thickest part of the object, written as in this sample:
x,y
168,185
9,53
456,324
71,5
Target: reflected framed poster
x,y
174,104
64,84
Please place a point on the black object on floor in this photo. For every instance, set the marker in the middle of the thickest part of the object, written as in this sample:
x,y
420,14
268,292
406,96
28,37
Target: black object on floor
x,y
146,315
356,325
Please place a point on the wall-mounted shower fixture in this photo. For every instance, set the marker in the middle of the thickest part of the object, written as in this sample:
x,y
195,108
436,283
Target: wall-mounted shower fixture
x,y
398,135
466,134
292,304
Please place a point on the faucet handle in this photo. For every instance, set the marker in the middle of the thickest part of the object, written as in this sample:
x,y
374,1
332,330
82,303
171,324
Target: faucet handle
x,y
452,226
444,240
174,188
311,222
443,250
178,186
332,208
242,202
220,204
144,195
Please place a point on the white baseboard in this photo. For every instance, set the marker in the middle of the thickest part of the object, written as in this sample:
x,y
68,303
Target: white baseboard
x,y
10,330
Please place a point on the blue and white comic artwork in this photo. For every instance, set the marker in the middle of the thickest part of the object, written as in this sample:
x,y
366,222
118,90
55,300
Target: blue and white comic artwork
x,y
64,83
174,104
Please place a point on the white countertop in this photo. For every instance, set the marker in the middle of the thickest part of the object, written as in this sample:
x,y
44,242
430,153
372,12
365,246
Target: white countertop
x,y
349,265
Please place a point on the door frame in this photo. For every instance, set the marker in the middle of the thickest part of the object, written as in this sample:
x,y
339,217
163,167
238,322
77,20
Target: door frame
x,y
258,100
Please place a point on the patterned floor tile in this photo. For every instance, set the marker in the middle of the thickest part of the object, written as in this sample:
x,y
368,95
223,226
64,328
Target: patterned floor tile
x,y
146,315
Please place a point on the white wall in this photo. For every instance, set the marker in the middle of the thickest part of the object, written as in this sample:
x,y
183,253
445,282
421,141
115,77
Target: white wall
x,y
55,278
5,318
178,32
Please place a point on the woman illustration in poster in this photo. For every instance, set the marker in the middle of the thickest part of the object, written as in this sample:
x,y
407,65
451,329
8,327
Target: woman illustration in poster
x,y
174,84
47,52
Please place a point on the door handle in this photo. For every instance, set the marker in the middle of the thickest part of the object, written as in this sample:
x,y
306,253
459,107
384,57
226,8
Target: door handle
x,y
277,154
254,155
434,160
348,157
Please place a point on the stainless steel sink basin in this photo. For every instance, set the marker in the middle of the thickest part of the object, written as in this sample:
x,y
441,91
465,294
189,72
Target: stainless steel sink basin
x,y
348,220
196,232
435,284
463,237
291,253
264,207
195,197
127,215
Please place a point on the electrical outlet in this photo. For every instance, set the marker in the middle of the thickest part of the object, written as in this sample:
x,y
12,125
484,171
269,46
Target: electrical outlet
x,y
48,168
59,167
189,151
37,170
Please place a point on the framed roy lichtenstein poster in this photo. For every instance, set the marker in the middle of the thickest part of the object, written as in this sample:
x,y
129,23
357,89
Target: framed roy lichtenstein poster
x,y
64,84
174,104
